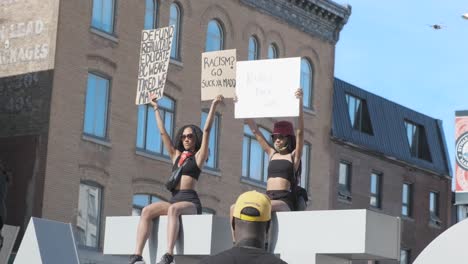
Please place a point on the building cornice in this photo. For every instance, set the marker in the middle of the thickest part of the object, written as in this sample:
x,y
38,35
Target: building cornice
x,y
320,18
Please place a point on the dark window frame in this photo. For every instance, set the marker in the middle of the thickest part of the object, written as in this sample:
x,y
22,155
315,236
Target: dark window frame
x,y
378,195
409,204
362,120
344,190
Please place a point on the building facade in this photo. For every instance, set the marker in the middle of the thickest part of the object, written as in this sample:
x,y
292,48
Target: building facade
x,y
393,160
79,148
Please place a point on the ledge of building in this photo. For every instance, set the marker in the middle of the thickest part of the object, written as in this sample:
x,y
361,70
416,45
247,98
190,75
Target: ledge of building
x,y
320,18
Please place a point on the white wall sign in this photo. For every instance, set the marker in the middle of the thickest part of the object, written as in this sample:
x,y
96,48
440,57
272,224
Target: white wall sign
x,y
218,74
47,242
265,88
155,53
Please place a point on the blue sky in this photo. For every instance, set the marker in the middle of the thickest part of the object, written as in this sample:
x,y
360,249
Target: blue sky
x,y
388,48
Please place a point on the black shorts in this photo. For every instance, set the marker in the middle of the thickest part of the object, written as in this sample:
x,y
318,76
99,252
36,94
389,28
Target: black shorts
x,y
186,196
282,195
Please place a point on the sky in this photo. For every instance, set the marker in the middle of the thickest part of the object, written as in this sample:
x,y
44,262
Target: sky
x,y
389,48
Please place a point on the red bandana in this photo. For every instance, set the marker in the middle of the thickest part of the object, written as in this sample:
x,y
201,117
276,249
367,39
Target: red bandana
x,y
184,156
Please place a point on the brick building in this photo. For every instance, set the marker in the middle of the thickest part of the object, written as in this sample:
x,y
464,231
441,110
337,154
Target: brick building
x,y
79,148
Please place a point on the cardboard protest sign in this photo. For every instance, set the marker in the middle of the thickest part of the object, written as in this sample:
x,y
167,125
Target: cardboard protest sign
x,y
218,74
265,88
155,53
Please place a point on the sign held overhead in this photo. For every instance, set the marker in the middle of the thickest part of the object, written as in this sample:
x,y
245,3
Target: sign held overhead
x,y
155,53
218,75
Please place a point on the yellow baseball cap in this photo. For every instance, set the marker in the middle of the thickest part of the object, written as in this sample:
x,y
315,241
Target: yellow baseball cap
x,y
255,200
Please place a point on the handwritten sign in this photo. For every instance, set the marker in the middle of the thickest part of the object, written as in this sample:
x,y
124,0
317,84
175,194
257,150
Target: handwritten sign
x,y
218,74
265,88
155,53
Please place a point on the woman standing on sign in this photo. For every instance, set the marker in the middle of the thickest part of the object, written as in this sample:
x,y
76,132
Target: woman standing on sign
x,y
190,144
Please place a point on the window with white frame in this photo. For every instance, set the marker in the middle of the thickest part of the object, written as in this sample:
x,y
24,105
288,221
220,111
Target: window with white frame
x,y
214,36
375,190
253,48
142,200
148,135
89,215
103,15
406,200
212,161
307,83
174,19
151,7
96,104
272,51
254,159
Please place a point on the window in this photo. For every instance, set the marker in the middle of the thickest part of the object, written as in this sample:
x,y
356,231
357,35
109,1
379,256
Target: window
x,y
272,51
253,48
214,36
344,180
405,256
307,86
208,211
174,19
213,144
359,114
97,93
148,135
89,212
375,189
151,8
417,141
254,159
305,165
103,15
434,208
407,197
142,200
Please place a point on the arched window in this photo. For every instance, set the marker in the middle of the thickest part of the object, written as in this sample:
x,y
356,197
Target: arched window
x,y
88,222
307,83
214,36
148,136
142,200
151,8
253,48
174,19
254,159
272,51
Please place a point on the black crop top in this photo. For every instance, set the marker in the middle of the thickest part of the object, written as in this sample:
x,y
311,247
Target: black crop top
x,y
281,168
190,168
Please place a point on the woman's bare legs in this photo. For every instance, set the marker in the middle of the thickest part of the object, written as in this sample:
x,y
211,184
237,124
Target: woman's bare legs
x,y
173,223
145,225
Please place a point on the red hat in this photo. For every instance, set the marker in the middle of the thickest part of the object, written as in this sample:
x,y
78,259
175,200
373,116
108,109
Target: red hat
x,y
284,128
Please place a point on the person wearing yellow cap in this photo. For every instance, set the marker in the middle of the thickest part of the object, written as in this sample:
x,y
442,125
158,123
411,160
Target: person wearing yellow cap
x,y
250,222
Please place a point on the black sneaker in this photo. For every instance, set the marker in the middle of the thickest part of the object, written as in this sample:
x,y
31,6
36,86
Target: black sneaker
x,y
136,259
167,259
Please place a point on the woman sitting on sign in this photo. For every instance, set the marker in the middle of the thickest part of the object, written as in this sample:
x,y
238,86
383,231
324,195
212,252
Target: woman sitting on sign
x,y
190,150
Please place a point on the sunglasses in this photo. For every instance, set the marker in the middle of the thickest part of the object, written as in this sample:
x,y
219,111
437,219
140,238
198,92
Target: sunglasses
x,y
189,136
277,136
